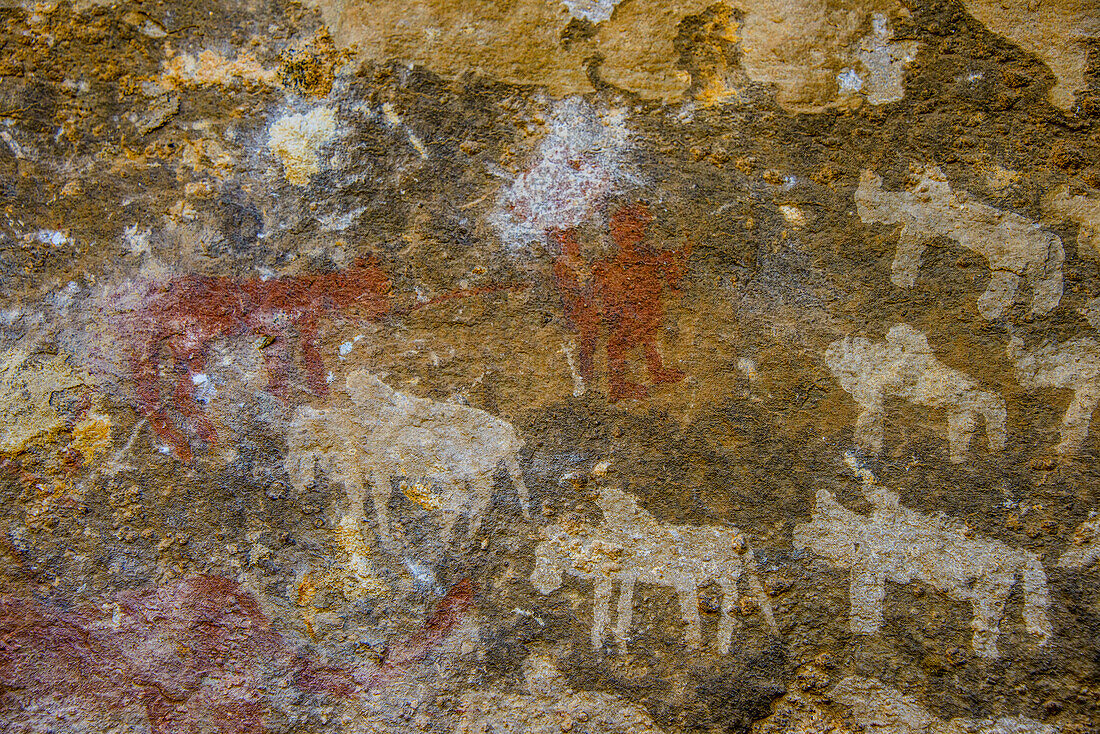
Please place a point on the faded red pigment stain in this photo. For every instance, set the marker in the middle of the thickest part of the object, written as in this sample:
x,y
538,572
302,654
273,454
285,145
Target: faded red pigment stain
x,y
186,314
197,654
623,294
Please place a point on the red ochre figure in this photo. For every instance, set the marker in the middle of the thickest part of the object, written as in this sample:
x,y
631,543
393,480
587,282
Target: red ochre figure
x,y
624,293
189,312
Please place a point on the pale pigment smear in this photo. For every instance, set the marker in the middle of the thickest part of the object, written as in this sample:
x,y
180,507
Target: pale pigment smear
x,y
296,139
580,162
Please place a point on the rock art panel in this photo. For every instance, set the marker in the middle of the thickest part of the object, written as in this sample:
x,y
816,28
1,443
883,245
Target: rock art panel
x,y
1012,245
904,366
631,547
896,544
178,319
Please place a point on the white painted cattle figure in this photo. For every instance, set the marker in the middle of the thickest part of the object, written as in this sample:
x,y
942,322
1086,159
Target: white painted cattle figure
x,y
631,546
391,434
900,545
1014,246
1072,365
904,366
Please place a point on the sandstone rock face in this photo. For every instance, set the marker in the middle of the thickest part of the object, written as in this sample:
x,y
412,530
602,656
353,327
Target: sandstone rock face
x,y
550,366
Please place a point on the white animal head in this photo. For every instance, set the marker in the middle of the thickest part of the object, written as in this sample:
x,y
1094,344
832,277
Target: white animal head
x,y
908,339
932,185
872,203
368,391
833,532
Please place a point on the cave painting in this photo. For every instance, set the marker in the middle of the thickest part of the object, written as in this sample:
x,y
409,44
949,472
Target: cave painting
x,y
631,546
624,295
391,434
1013,245
186,314
897,544
1072,365
904,366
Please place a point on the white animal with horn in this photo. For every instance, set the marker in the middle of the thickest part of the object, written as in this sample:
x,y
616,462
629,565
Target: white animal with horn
x,y
392,434
1013,245
631,546
900,545
904,366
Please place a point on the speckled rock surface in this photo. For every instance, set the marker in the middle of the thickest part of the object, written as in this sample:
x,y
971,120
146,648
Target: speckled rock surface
x,y
585,366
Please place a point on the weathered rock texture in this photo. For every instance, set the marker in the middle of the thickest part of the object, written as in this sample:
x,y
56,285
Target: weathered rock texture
x,y
355,356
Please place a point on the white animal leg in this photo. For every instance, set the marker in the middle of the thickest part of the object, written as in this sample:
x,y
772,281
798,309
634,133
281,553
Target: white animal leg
x,y
907,257
988,602
481,494
688,593
999,295
601,604
866,594
961,423
869,425
729,603
1078,417
517,481
380,488
625,611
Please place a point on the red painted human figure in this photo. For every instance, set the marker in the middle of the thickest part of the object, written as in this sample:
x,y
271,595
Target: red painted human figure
x,y
630,287
187,313
573,276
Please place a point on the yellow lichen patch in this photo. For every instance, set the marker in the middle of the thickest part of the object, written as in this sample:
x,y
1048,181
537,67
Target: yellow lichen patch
x,y
211,68
25,389
295,140
91,436
311,70
421,494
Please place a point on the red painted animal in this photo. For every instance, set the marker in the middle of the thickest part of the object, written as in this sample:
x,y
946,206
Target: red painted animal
x,y
184,315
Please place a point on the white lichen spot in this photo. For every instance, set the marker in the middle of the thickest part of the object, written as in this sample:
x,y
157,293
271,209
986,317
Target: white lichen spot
x,y
296,140
596,11
204,388
884,62
212,68
848,81
793,214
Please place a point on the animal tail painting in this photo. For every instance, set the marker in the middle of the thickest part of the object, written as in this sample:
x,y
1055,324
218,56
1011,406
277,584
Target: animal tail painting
x,y
765,604
1036,600
993,410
